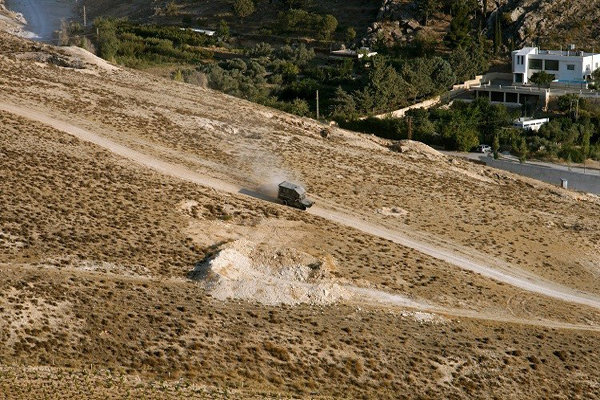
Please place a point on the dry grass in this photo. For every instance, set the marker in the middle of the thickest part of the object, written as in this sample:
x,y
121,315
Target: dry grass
x,y
94,253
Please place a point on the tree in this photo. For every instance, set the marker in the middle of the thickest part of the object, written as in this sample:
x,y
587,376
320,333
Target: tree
x,y
441,74
171,8
492,119
289,71
423,129
108,43
460,26
243,8
350,35
427,8
344,106
299,107
296,3
459,132
523,150
424,44
365,101
302,55
596,75
386,86
497,33
223,32
542,78
261,49
585,143
328,25
463,65
496,146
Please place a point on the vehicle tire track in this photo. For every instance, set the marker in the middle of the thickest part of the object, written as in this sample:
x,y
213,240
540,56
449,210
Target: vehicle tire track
x,y
501,273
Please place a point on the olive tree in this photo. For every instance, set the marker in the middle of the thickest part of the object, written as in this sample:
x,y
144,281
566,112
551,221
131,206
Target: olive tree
x,y
243,8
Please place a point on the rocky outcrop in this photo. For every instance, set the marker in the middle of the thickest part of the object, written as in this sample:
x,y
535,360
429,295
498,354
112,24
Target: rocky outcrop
x,y
390,32
553,22
544,22
397,22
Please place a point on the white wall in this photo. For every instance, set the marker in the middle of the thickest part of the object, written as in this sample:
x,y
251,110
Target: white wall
x,y
581,64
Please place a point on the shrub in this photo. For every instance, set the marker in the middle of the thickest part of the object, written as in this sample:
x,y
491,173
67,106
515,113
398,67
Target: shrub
x,y
243,8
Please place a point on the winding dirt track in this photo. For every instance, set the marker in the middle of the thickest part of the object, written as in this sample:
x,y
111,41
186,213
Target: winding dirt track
x,y
461,258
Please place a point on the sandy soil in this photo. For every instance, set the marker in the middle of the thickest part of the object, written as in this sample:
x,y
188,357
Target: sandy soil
x,y
100,253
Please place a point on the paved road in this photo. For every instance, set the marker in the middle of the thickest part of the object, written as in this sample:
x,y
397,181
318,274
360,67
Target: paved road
x,y
43,16
578,178
462,258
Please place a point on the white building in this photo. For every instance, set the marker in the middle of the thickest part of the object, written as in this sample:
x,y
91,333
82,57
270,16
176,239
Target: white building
x,y
348,53
530,124
206,32
568,67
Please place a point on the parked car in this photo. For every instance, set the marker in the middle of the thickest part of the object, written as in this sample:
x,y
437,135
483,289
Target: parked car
x,y
483,148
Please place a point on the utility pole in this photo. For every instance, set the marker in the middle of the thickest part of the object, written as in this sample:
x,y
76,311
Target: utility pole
x,y
410,127
84,17
317,104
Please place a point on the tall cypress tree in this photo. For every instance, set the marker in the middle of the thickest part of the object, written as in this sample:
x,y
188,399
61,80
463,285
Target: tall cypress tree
x,y
497,33
460,26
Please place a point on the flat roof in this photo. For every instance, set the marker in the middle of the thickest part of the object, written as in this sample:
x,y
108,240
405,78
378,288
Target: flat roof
x,y
531,120
525,50
562,53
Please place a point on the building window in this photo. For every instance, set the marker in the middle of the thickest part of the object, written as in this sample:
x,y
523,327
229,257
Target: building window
x,y
551,65
571,67
535,64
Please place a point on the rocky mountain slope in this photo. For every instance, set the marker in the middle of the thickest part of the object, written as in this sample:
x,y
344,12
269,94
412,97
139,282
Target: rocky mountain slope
x,y
549,23
140,258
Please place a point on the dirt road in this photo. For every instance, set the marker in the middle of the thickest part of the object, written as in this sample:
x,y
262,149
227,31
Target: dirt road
x,y
462,258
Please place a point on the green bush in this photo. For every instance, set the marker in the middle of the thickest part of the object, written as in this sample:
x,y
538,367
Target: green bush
x,y
303,22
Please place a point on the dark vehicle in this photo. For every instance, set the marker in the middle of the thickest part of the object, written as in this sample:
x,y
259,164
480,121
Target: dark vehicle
x,y
294,195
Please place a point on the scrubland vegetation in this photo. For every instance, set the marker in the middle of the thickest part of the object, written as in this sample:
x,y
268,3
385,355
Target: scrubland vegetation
x,y
96,250
465,125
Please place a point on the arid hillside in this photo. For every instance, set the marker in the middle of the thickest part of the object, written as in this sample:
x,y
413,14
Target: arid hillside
x,y
142,253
